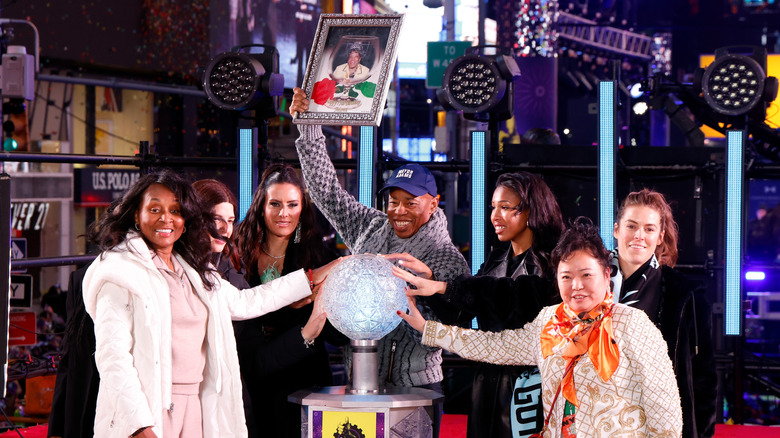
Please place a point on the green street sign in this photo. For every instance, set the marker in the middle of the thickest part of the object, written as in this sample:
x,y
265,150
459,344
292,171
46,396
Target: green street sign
x,y
440,54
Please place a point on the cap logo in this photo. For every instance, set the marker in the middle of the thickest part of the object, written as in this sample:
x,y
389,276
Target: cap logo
x,y
405,173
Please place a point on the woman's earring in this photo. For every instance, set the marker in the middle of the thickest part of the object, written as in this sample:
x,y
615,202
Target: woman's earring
x,y
184,230
297,233
137,228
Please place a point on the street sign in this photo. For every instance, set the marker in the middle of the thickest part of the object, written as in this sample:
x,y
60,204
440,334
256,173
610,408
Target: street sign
x,y
18,251
440,54
21,290
21,328
99,187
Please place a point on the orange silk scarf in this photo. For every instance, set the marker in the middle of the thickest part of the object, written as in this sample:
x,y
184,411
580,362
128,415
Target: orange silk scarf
x,y
572,335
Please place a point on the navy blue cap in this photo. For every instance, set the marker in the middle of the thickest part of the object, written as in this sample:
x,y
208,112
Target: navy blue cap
x,y
413,178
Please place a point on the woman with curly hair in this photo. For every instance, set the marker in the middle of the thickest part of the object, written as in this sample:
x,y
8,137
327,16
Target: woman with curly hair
x,y
278,353
164,342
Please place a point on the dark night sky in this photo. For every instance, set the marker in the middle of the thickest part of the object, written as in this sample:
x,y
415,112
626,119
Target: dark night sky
x,y
147,35
174,35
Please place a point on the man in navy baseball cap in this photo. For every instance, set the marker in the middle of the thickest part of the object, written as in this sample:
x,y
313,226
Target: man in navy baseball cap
x,y
412,199
412,232
413,178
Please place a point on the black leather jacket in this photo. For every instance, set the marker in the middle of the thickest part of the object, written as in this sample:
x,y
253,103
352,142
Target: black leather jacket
x,y
686,324
500,302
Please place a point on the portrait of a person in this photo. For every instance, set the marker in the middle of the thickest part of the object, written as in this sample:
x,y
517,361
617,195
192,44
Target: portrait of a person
x,y
352,71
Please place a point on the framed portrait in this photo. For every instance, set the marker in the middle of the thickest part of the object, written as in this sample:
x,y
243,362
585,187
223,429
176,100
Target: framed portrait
x,y
349,70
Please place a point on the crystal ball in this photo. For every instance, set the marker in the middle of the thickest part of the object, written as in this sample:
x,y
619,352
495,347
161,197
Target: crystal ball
x,y
361,296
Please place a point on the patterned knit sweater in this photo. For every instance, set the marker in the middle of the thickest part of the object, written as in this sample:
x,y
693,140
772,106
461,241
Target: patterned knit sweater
x,y
367,230
639,400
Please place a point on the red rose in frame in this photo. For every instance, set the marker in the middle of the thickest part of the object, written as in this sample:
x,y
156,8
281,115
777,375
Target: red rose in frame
x,y
323,91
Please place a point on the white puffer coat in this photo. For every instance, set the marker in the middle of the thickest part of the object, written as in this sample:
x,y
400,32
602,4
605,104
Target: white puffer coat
x,y
128,299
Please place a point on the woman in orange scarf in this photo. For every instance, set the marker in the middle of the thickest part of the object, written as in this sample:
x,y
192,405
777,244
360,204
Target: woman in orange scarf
x,y
607,361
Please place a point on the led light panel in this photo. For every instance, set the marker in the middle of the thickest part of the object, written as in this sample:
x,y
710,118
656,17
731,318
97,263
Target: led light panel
x,y
366,166
734,188
246,146
607,148
478,179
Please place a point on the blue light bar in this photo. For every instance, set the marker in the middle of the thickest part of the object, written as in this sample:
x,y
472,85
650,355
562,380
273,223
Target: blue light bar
x,y
246,145
755,275
734,187
478,179
366,166
607,148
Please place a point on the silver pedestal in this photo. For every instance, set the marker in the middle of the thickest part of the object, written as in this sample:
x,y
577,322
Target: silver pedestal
x,y
388,413
365,367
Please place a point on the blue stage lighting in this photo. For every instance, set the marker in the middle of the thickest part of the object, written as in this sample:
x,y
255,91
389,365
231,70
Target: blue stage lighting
x,y
636,90
734,192
755,275
607,149
478,201
366,166
246,165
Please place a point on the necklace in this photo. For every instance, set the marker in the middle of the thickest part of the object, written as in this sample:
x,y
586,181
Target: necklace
x,y
270,273
269,255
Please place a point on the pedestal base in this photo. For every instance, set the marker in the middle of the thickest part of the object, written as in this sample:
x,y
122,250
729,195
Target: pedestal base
x,y
391,413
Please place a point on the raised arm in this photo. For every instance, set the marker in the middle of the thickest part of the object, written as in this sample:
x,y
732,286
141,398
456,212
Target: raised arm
x,y
342,210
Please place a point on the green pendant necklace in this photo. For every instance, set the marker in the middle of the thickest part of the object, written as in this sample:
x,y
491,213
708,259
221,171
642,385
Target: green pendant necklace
x,y
270,272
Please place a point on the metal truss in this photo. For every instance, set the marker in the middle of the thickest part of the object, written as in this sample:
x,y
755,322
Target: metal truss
x,y
592,34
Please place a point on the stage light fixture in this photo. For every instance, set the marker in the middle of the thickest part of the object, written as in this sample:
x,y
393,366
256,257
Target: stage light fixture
x,y
735,83
636,90
584,81
479,85
755,276
238,81
640,108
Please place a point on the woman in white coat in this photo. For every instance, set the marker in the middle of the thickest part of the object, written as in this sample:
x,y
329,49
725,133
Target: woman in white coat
x,y
164,341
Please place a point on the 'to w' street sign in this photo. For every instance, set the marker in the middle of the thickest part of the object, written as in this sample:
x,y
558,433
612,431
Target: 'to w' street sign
x,y
21,291
440,54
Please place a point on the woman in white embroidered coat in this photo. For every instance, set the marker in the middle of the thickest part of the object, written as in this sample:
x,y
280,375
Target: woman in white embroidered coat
x,y
164,341
605,371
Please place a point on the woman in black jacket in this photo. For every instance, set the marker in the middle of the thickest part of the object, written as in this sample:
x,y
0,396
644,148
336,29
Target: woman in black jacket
x,y
643,277
75,391
292,346
278,357
510,289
